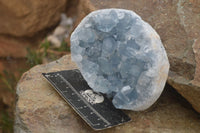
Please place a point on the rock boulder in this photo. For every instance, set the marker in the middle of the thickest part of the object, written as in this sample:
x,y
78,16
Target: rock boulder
x,y
26,18
40,109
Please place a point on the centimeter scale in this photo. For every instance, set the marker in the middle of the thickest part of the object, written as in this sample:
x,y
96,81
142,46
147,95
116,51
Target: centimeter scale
x,y
94,108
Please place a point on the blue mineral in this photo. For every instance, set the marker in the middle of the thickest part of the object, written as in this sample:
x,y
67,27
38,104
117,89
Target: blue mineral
x,y
122,56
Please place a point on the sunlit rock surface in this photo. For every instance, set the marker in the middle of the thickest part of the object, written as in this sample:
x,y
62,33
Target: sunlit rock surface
x,y
122,56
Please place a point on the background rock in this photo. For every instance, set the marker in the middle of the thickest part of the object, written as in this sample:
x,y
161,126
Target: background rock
x,y
11,48
26,18
178,24
25,23
61,32
40,109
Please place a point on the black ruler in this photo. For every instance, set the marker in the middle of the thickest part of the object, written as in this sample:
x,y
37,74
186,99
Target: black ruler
x,y
95,108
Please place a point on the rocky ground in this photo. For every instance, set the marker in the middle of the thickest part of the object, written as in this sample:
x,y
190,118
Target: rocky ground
x,y
36,25
13,66
24,26
40,109
9,76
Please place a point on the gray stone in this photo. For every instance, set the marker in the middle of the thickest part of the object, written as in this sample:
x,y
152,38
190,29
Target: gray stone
x,y
122,56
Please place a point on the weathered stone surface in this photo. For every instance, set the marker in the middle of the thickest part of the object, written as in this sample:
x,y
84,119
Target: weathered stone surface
x,y
25,23
26,18
122,56
40,109
178,24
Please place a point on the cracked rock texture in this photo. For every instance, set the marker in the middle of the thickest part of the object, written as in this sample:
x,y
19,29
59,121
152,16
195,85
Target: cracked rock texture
x,y
178,24
39,109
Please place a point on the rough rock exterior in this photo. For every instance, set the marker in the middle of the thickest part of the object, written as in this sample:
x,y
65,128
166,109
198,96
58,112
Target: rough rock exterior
x,y
26,18
122,56
24,24
178,24
40,109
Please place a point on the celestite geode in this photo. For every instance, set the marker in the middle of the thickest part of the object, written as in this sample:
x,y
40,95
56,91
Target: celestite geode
x,y
122,56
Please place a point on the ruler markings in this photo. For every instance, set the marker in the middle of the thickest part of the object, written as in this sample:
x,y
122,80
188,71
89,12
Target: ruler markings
x,y
85,117
77,93
98,116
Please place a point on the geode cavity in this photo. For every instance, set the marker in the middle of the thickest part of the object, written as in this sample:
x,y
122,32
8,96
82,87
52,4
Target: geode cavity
x,y
122,56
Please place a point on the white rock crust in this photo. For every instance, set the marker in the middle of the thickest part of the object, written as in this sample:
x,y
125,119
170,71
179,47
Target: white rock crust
x,y
122,56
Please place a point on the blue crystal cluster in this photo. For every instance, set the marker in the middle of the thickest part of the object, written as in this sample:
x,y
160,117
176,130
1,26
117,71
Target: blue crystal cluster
x,y
122,56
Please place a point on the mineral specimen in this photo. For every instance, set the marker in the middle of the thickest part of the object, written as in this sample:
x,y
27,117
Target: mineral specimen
x,y
122,56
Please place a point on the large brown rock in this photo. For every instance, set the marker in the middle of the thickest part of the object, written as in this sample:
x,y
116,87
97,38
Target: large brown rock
x,y
39,109
178,24
24,23
27,17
